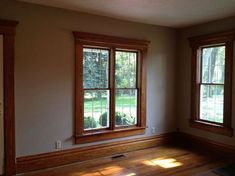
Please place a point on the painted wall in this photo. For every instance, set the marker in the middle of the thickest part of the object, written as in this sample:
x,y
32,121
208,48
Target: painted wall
x,y
184,78
1,107
44,72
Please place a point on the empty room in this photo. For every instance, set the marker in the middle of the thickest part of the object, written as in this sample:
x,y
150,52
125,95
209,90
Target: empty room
x,y
117,87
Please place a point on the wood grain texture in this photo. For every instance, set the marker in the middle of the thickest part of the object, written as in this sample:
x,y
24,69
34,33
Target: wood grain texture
x,y
108,134
47,160
110,41
210,39
7,29
178,162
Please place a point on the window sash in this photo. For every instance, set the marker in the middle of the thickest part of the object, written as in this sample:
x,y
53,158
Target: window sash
x,y
200,100
201,83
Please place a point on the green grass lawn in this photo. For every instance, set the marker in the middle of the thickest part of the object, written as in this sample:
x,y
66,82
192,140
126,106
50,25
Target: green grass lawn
x,y
96,107
121,102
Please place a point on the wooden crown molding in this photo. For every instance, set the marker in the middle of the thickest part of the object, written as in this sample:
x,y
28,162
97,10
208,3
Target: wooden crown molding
x,y
53,159
210,39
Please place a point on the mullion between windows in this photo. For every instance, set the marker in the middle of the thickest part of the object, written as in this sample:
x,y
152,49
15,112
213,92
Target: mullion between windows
x,y
112,88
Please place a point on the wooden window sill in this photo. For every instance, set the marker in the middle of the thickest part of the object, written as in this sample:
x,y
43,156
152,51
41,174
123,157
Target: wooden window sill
x,y
108,134
212,127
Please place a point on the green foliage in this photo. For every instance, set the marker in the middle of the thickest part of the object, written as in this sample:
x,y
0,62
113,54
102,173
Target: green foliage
x,y
121,119
103,119
213,69
89,122
95,68
125,69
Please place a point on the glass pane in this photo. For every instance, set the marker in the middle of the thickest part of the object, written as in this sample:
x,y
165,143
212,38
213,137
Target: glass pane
x,y
212,103
125,69
96,109
126,107
95,68
213,60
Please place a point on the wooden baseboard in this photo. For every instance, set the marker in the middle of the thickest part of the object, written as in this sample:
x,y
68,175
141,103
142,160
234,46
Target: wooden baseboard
x,y
59,158
206,144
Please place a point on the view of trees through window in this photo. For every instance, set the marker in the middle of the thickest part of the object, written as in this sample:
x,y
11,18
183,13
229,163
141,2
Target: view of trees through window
x,y
96,85
212,83
125,84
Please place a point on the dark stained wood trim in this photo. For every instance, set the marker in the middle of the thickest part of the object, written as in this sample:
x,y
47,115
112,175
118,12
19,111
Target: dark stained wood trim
x,y
212,127
112,44
205,144
196,43
228,83
112,87
53,159
194,85
210,39
79,91
7,29
142,87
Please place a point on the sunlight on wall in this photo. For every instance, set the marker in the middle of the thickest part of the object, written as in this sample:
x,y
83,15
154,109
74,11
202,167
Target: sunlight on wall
x,y
164,163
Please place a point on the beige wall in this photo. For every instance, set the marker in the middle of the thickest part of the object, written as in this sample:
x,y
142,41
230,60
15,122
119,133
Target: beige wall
x,y
44,72
184,78
1,106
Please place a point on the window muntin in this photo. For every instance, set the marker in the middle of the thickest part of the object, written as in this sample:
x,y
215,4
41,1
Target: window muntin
x,y
212,83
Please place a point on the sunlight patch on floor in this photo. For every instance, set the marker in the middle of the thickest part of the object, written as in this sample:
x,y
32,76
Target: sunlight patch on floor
x,y
131,174
164,163
103,171
110,170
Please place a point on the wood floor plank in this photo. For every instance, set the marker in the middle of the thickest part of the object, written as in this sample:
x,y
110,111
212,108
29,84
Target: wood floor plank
x,y
160,161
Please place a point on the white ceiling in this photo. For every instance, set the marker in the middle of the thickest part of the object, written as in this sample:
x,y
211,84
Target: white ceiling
x,y
173,13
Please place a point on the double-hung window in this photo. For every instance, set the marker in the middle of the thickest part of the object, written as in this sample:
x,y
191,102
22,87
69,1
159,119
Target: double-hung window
x,y
212,57
110,87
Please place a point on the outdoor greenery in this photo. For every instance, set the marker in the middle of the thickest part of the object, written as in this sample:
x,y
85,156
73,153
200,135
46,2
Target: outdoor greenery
x,y
96,76
89,122
120,118
213,69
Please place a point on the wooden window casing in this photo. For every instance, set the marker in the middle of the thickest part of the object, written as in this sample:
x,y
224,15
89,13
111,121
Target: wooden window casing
x,y
112,44
197,44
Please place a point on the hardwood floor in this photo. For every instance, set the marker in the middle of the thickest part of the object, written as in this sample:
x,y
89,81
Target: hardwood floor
x,y
160,161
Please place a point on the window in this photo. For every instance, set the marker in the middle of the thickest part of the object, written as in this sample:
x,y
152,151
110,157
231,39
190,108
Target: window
x,y
110,87
212,57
